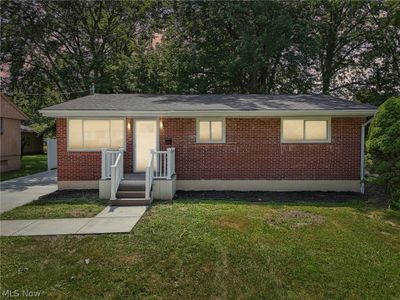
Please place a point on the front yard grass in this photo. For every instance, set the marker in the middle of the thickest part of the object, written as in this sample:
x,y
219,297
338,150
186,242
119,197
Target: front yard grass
x,y
60,204
218,250
30,164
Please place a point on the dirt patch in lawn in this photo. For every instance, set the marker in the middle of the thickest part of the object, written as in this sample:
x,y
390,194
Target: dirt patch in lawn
x,y
294,218
232,223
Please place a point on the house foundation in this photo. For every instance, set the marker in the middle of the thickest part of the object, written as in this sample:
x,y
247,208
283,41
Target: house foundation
x,y
104,188
164,189
270,185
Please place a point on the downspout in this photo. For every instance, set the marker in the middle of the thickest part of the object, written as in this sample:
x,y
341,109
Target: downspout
x,y
362,187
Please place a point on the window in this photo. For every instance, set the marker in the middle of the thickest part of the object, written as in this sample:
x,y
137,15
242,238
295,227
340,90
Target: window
x,y
305,130
1,126
95,134
210,131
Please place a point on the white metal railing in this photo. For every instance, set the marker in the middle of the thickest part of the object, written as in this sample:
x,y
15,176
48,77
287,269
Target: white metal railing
x,y
108,158
149,175
112,167
117,173
171,159
161,165
164,163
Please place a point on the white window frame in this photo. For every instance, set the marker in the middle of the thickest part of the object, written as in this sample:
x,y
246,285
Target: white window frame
x,y
94,119
304,141
198,120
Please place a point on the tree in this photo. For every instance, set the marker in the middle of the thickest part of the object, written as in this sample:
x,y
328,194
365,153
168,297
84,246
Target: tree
x,y
237,47
350,48
73,43
278,46
32,104
383,147
341,30
60,47
382,63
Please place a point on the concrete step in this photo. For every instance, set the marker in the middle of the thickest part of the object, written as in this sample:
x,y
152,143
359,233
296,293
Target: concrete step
x,y
135,176
130,194
133,182
130,202
131,185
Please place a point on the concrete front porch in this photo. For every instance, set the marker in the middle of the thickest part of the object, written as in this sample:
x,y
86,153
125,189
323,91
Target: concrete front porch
x,y
132,186
156,181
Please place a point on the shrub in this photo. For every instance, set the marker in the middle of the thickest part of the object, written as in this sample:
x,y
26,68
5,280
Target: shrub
x,y
383,147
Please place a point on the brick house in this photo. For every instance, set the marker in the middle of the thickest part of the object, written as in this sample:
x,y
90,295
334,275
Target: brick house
x,y
134,147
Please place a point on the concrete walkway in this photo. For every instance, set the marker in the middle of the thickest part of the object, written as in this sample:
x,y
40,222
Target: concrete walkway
x,y
113,219
22,190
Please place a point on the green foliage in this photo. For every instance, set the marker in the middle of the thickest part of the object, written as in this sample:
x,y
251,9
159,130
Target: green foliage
x,y
56,48
69,44
31,104
382,57
236,47
383,147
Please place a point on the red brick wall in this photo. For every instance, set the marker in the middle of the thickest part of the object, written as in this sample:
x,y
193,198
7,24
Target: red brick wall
x,y
74,166
253,151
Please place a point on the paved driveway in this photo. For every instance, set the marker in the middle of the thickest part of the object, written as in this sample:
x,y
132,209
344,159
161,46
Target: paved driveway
x,y
22,190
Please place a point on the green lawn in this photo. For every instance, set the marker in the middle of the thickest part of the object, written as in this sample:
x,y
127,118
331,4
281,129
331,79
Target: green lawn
x,y
60,204
31,164
218,250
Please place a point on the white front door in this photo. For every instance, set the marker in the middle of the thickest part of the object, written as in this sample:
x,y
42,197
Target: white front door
x,y
145,140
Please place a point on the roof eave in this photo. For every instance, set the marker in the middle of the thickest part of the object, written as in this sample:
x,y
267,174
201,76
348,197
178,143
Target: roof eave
x,y
191,114
22,116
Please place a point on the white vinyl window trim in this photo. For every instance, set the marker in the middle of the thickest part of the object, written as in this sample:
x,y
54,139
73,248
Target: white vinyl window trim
x,y
97,149
211,133
303,140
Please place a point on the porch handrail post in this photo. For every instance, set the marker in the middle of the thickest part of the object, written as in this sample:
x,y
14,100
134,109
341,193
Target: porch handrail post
x,y
149,174
121,150
152,154
116,175
147,188
173,161
113,183
103,163
169,163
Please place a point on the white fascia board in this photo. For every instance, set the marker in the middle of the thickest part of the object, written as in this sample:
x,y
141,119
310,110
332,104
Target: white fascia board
x,y
195,114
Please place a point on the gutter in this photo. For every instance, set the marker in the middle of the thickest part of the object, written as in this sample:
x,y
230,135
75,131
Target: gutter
x,y
204,113
362,161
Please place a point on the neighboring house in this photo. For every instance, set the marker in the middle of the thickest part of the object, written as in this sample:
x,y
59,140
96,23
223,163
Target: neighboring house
x,y
208,142
10,139
32,141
